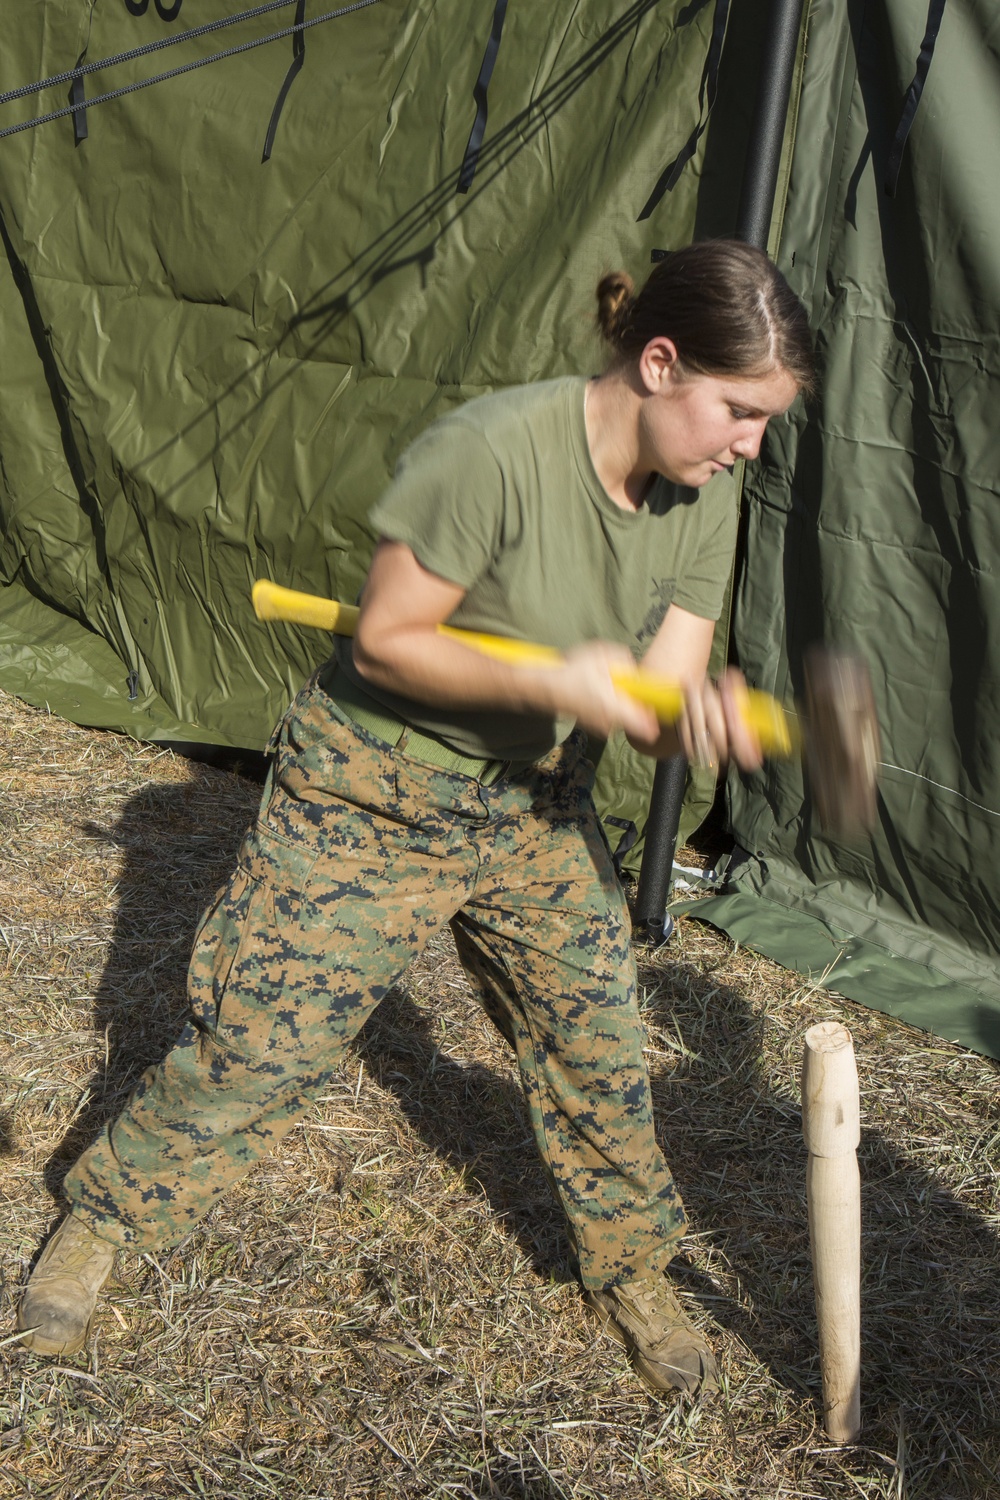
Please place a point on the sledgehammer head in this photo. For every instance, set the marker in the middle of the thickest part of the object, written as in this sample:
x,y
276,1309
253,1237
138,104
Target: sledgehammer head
x,y
843,748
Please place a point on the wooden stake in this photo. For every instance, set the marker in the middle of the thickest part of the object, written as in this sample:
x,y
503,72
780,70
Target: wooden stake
x,y
831,1123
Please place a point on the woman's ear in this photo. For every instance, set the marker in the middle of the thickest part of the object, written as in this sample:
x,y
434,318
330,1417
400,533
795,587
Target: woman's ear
x,y
659,364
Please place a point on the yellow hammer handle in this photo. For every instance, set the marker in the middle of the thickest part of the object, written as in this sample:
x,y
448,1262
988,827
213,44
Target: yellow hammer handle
x,y
502,648
764,714
778,734
664,697
272,602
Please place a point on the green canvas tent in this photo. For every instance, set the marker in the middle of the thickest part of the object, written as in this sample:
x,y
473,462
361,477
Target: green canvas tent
x,y
211,362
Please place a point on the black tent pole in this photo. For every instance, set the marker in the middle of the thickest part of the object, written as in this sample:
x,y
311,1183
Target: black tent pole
x,y
753,223
767,132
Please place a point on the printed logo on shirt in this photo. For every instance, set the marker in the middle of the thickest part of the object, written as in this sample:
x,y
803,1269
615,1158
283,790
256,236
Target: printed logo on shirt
x,y
663,594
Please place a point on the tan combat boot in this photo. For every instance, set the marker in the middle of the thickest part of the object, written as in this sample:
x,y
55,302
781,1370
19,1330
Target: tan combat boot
x,y
667,1350
60,1297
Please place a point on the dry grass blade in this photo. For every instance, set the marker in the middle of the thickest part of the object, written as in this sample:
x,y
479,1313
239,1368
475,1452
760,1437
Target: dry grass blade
x,y
385,1308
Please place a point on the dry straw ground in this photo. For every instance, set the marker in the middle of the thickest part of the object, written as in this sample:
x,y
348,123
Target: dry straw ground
x,y
385,1308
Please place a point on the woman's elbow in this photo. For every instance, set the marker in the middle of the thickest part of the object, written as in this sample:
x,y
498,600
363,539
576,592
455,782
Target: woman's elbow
x,y
369,656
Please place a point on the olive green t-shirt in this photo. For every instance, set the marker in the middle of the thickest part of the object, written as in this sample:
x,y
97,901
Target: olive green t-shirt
x,y
502,498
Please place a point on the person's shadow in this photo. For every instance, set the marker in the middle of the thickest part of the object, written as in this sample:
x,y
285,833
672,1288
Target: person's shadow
x,y
474,1118
178,843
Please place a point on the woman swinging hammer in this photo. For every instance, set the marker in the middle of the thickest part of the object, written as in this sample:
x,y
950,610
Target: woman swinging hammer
x,y
416,783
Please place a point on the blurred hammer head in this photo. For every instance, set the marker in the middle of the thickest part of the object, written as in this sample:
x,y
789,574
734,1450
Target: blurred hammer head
x,y
843,748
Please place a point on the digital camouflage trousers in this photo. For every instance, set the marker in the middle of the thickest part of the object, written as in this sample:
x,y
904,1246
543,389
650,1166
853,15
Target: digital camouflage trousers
x,y
359,855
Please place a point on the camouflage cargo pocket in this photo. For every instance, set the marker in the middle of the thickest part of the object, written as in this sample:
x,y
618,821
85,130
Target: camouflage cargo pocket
x,y
323,765
243,962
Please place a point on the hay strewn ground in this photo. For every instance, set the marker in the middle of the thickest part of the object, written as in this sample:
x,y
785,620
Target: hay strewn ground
x,y
385,1308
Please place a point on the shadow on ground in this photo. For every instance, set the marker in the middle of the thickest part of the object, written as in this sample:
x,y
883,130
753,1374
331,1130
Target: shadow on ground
x,y
178,843
475,1120
930,1303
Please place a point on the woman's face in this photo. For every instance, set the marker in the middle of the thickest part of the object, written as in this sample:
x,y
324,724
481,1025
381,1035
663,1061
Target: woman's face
x,y
693,426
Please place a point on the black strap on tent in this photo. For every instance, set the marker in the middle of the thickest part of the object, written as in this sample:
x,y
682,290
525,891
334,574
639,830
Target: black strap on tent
x,y
471,158
706,98
164,41
627,841
295,67
157,46
913,94
77,89
189,67
78,103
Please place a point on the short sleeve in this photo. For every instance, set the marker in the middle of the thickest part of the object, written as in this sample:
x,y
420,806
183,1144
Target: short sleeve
x,y
701,588
446,503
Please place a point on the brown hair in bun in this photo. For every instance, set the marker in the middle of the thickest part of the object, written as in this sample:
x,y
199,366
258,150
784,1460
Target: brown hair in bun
x,y
725,305
615,298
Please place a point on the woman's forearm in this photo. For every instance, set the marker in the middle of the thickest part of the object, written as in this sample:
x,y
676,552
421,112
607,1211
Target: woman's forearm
x,y
397,646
